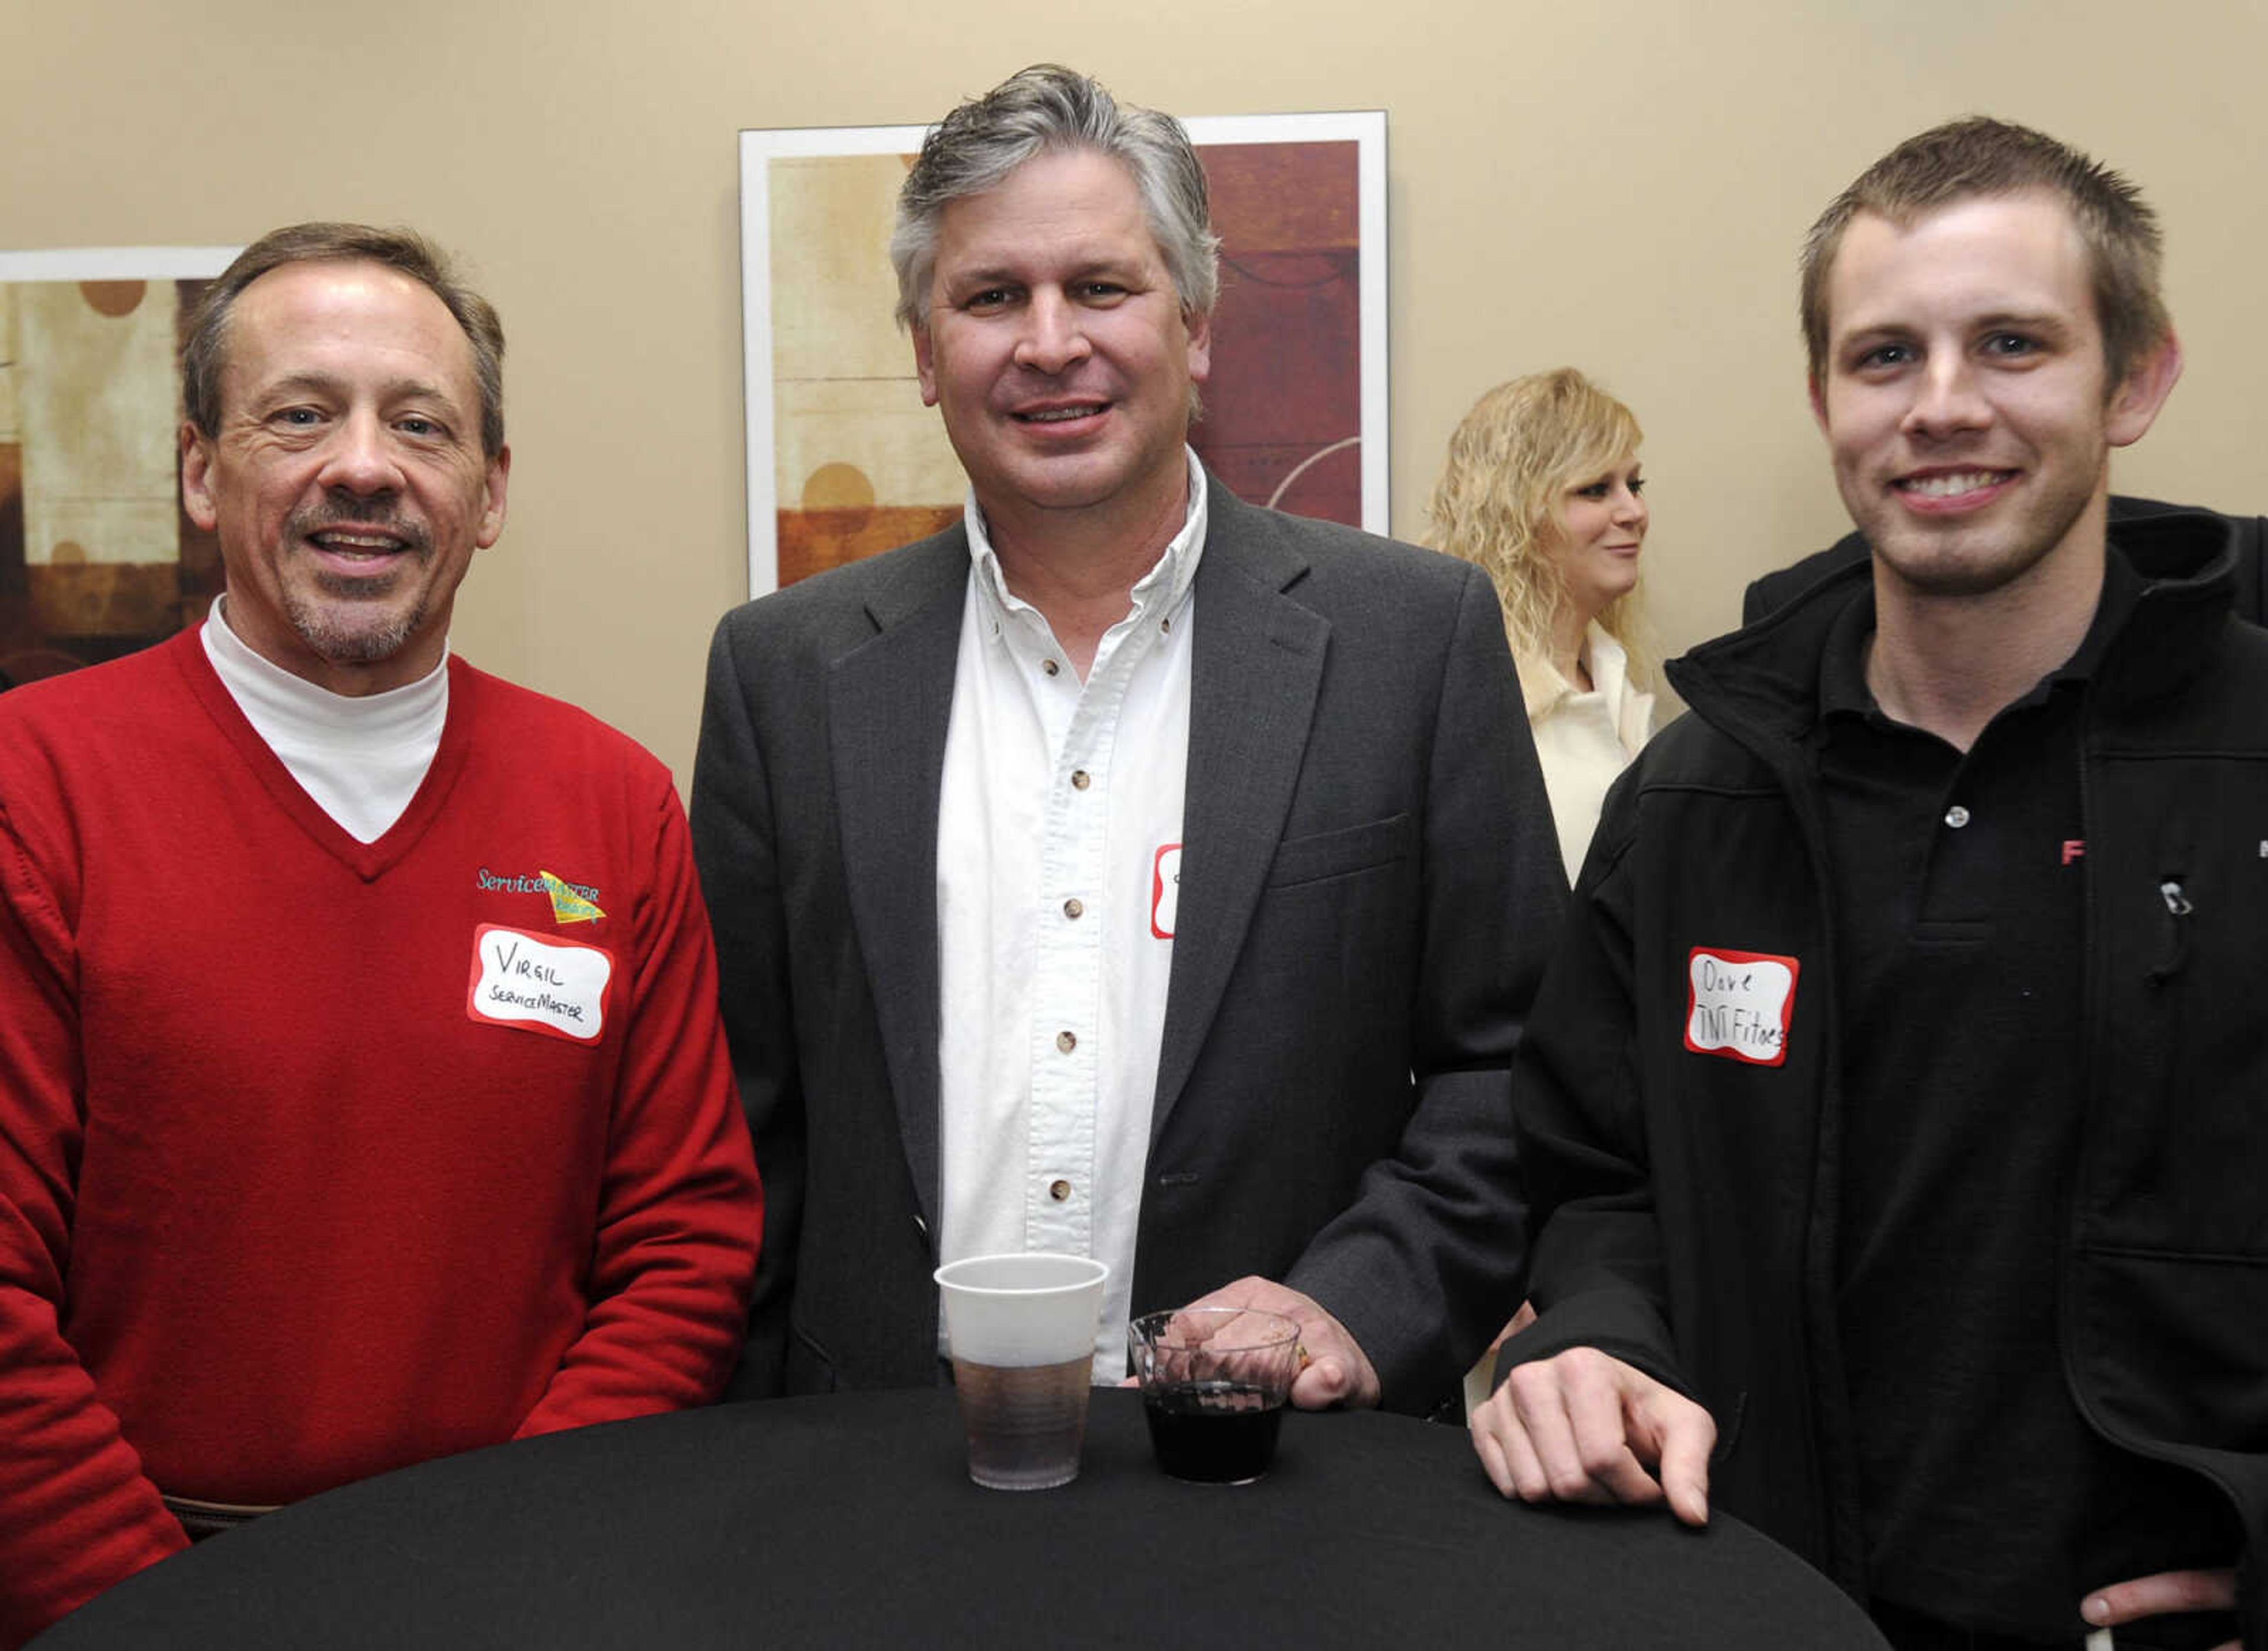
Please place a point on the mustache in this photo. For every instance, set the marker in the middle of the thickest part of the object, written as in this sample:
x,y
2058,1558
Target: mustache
x,y
348,510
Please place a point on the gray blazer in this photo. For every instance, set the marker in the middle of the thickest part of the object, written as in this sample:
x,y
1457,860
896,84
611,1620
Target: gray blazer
x,y
1370,882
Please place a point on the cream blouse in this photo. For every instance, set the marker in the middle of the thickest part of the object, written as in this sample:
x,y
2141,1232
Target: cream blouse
x,y
1583,740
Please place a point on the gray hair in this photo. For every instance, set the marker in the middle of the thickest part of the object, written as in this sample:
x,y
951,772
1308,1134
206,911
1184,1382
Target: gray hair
x,y
1048,106
204,350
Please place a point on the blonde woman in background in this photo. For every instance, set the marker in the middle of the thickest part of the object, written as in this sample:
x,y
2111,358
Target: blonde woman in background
x,y
1542,490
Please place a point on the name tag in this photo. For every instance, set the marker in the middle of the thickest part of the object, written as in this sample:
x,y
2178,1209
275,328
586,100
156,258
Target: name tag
x,y
1740,1005
1164,890
553,987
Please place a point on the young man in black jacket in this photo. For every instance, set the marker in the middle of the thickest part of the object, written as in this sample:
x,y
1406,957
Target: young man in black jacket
x,y
1894,1112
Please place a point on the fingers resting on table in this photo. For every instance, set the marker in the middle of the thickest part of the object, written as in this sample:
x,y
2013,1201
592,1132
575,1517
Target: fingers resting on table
x,y
1582,1426
1338,1374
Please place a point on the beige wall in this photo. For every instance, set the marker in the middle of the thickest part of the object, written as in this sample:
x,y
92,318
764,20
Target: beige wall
x,y
1619,184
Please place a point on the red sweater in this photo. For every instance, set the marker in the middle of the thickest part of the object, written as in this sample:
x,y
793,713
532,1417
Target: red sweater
x,y
318,1158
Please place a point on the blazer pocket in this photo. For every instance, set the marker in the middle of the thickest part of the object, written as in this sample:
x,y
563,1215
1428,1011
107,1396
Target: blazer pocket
x,y
1337,853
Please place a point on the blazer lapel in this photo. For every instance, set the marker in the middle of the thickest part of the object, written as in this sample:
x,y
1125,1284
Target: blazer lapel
x,y
889,700
1256,665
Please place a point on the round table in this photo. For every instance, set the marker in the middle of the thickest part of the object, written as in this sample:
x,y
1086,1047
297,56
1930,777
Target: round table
x,y
850,1520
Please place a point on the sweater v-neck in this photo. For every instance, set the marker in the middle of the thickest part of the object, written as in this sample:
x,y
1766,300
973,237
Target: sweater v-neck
x,y
369,861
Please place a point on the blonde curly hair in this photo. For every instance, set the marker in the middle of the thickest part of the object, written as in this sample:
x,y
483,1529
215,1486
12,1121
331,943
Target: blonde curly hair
x,y
1498,504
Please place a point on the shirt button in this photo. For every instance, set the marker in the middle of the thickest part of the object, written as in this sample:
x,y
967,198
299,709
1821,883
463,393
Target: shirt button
x,y
1059,1191
1066,1042
1167,626
1050,666
1956,817
1074,908
1080,780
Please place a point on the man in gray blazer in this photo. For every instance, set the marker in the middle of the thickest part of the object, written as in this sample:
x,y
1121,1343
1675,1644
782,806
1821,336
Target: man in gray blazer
x,y
1127,871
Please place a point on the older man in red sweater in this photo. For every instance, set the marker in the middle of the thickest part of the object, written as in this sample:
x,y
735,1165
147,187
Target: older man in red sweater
x,y
362,1092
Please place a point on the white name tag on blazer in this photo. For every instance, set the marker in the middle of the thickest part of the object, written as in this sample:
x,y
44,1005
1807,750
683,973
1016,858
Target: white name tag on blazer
x,y
553,987
1740,1005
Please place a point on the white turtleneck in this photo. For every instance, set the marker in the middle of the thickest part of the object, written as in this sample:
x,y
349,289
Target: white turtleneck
x,y
362,758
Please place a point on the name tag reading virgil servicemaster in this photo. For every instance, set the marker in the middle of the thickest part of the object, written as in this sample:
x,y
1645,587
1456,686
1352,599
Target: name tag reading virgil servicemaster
x,y
1740,1005
553,987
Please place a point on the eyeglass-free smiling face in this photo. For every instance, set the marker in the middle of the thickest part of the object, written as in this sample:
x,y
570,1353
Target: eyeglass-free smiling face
x,y
1965,396
1057,351
1596,549
346,482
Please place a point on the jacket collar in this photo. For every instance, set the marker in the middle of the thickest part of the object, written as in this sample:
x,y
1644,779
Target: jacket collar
x,y
1256,668
1767,675
888,700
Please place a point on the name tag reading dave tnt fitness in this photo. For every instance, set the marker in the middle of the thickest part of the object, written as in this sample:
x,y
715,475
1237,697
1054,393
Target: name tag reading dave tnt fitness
x,y
554,987
1739,1004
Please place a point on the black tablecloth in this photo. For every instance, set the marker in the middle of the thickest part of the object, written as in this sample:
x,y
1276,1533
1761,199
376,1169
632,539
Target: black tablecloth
x,y
850,1520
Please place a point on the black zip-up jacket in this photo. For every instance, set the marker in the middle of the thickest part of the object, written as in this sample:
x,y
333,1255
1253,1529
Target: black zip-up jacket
x,y
1684,1203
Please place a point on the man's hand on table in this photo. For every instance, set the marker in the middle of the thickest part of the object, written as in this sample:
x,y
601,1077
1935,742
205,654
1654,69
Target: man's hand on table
x,y
2163,1595
1585,1427
1338,1374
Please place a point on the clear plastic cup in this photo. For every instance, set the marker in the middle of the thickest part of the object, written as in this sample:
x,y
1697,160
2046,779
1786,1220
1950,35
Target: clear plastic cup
x,y
1021,1333
1214,1382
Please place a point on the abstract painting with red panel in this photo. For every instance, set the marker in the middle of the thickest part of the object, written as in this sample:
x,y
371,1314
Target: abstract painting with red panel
x,y
1283,421
97,558
844,460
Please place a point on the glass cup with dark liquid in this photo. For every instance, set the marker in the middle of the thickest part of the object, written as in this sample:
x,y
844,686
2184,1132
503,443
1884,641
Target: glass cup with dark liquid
x,y
1021,1330
1214,1381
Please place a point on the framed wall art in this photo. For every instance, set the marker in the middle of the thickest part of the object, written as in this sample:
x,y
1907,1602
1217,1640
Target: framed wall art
x,y
96,557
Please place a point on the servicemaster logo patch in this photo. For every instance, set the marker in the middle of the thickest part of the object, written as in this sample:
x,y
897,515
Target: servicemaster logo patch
x,y
570,905
571,902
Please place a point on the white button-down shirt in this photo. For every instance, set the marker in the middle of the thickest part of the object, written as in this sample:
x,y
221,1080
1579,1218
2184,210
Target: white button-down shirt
x,y
1058,862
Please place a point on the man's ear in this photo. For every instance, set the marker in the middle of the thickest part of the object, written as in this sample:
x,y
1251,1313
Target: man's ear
x,y
196,478
492,523
925,363
1818,401
2134,404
